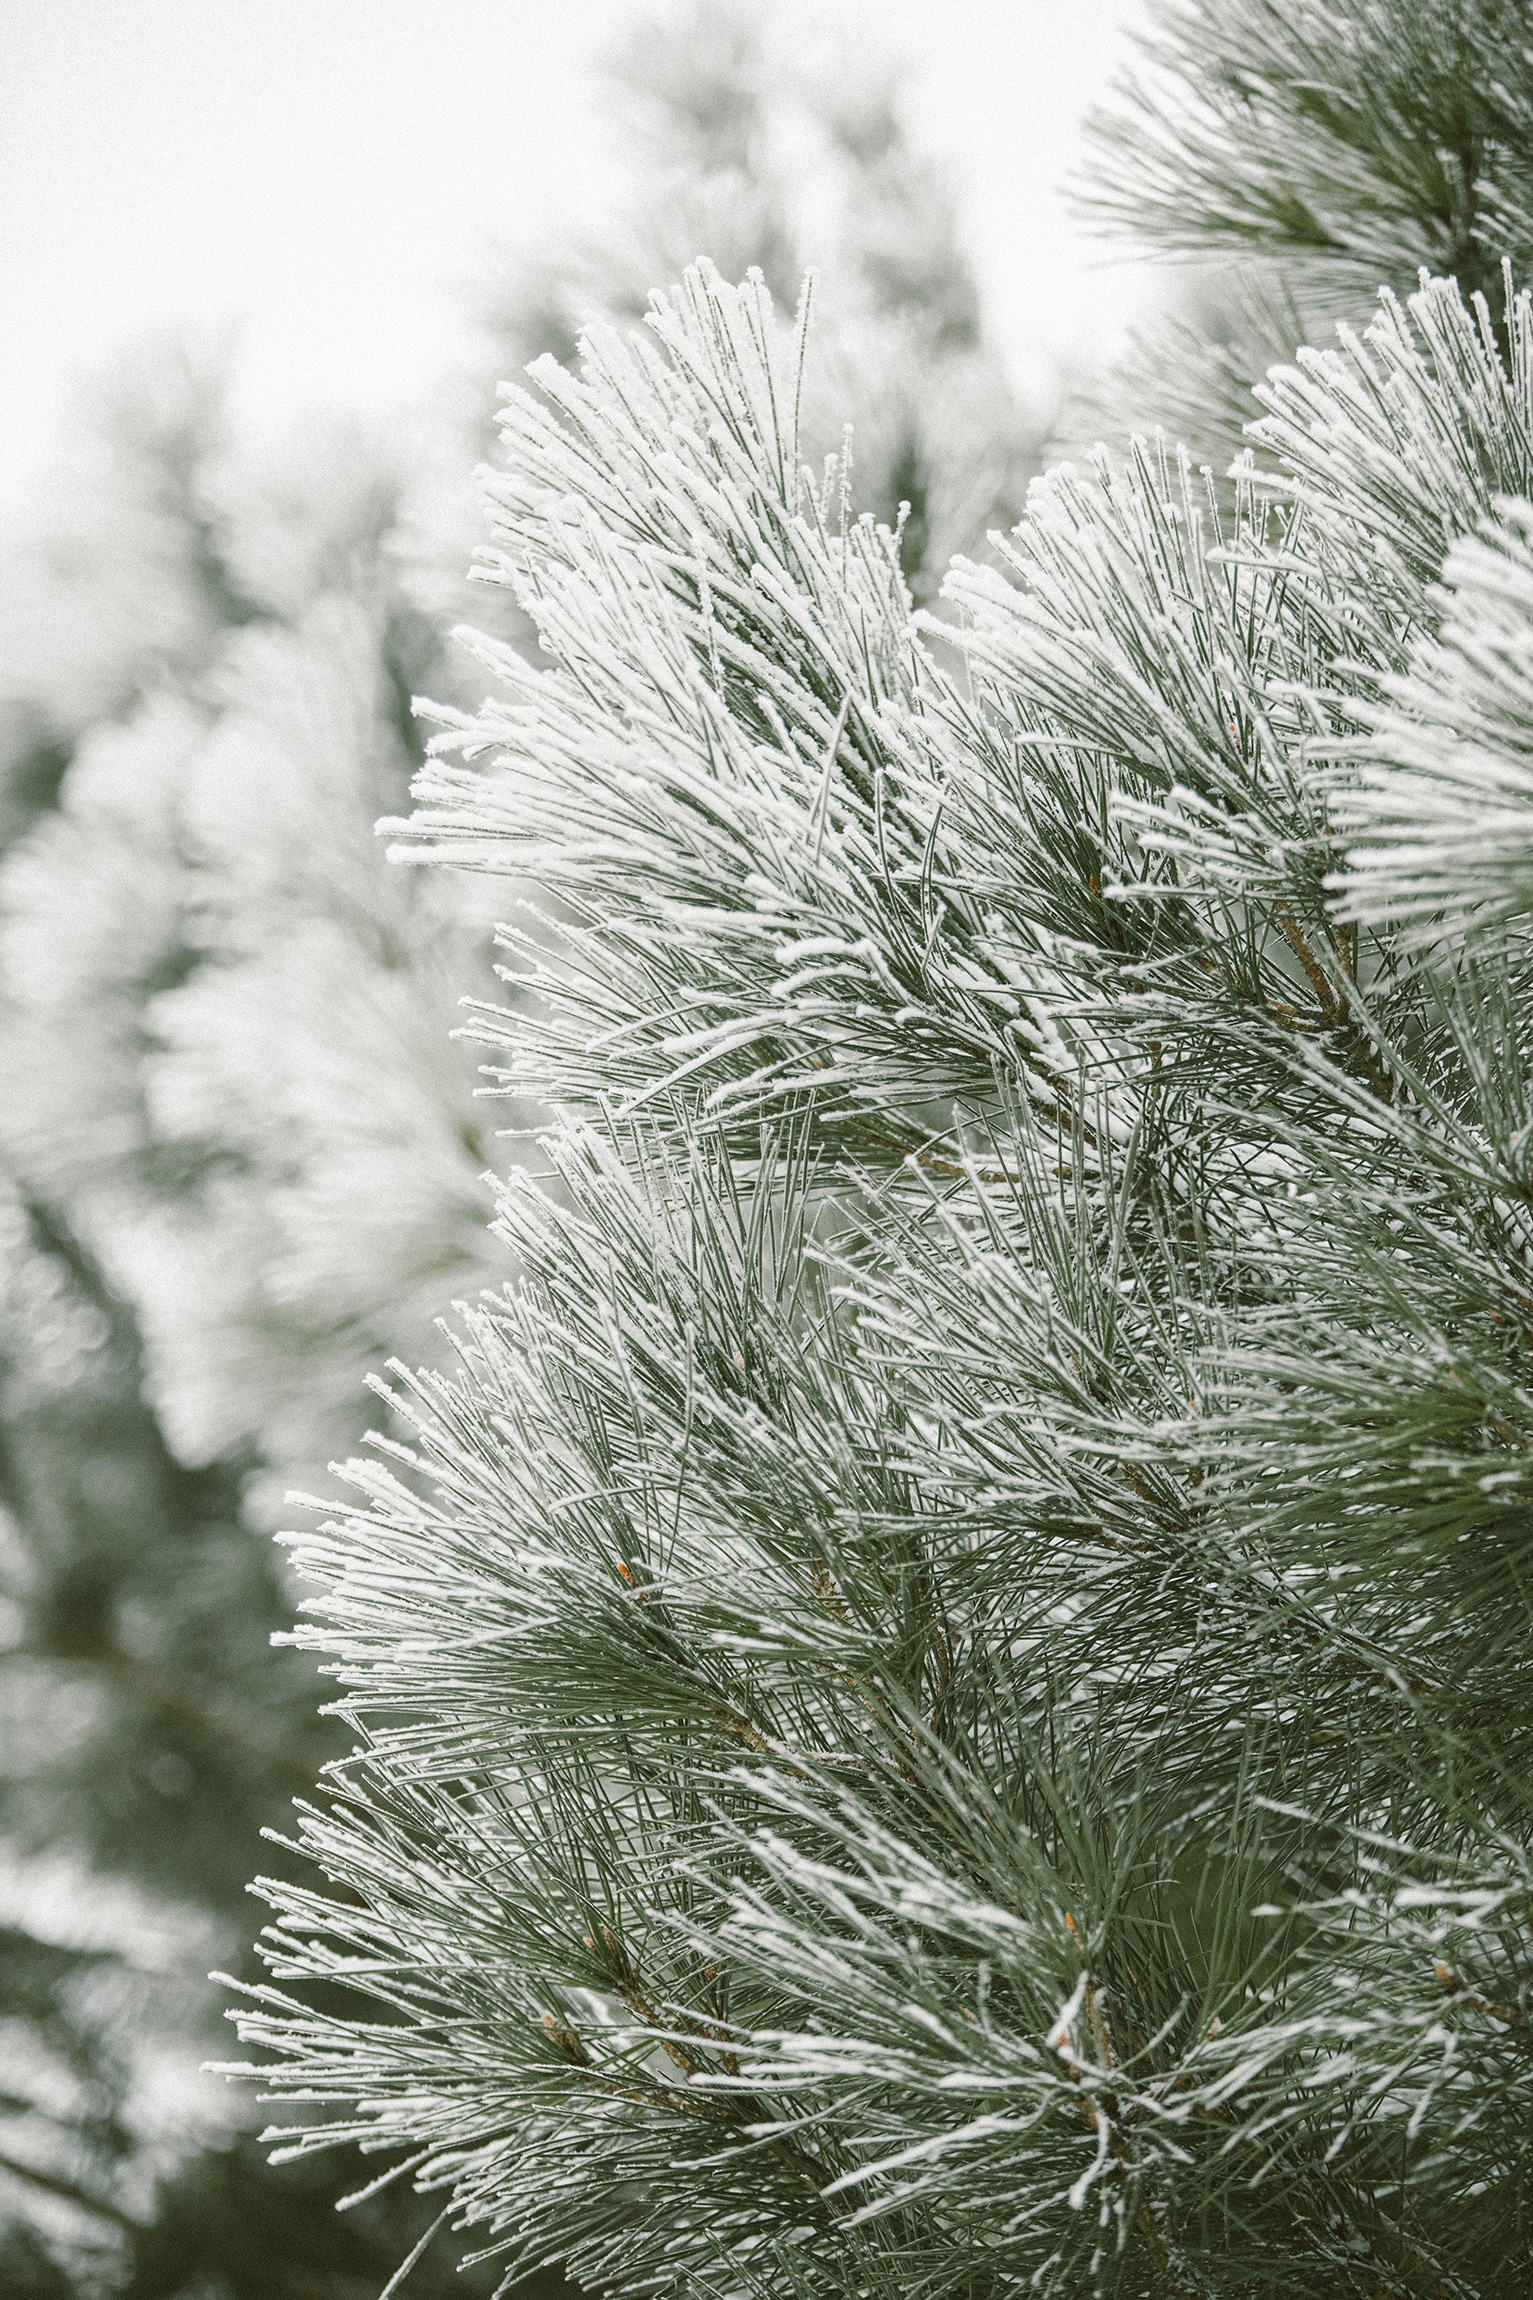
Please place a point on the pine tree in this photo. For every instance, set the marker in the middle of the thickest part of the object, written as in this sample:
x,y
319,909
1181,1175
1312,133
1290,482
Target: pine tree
x,y
148,1729
941,1699
240,1156
1368,136
1301,156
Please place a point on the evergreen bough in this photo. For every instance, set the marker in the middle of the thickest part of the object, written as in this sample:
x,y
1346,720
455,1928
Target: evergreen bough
x,y
943,1700
1359,138
1305,153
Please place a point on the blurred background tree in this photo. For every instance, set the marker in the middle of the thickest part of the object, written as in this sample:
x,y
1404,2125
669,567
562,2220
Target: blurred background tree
x,y
240,1155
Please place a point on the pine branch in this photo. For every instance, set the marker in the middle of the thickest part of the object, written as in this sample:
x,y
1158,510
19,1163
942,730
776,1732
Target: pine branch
x,y
938,1685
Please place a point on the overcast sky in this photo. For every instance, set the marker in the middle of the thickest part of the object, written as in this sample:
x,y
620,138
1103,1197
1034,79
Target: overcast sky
x,y
321,172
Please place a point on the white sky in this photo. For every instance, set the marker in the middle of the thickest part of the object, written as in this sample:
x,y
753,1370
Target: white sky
x,y
321,172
